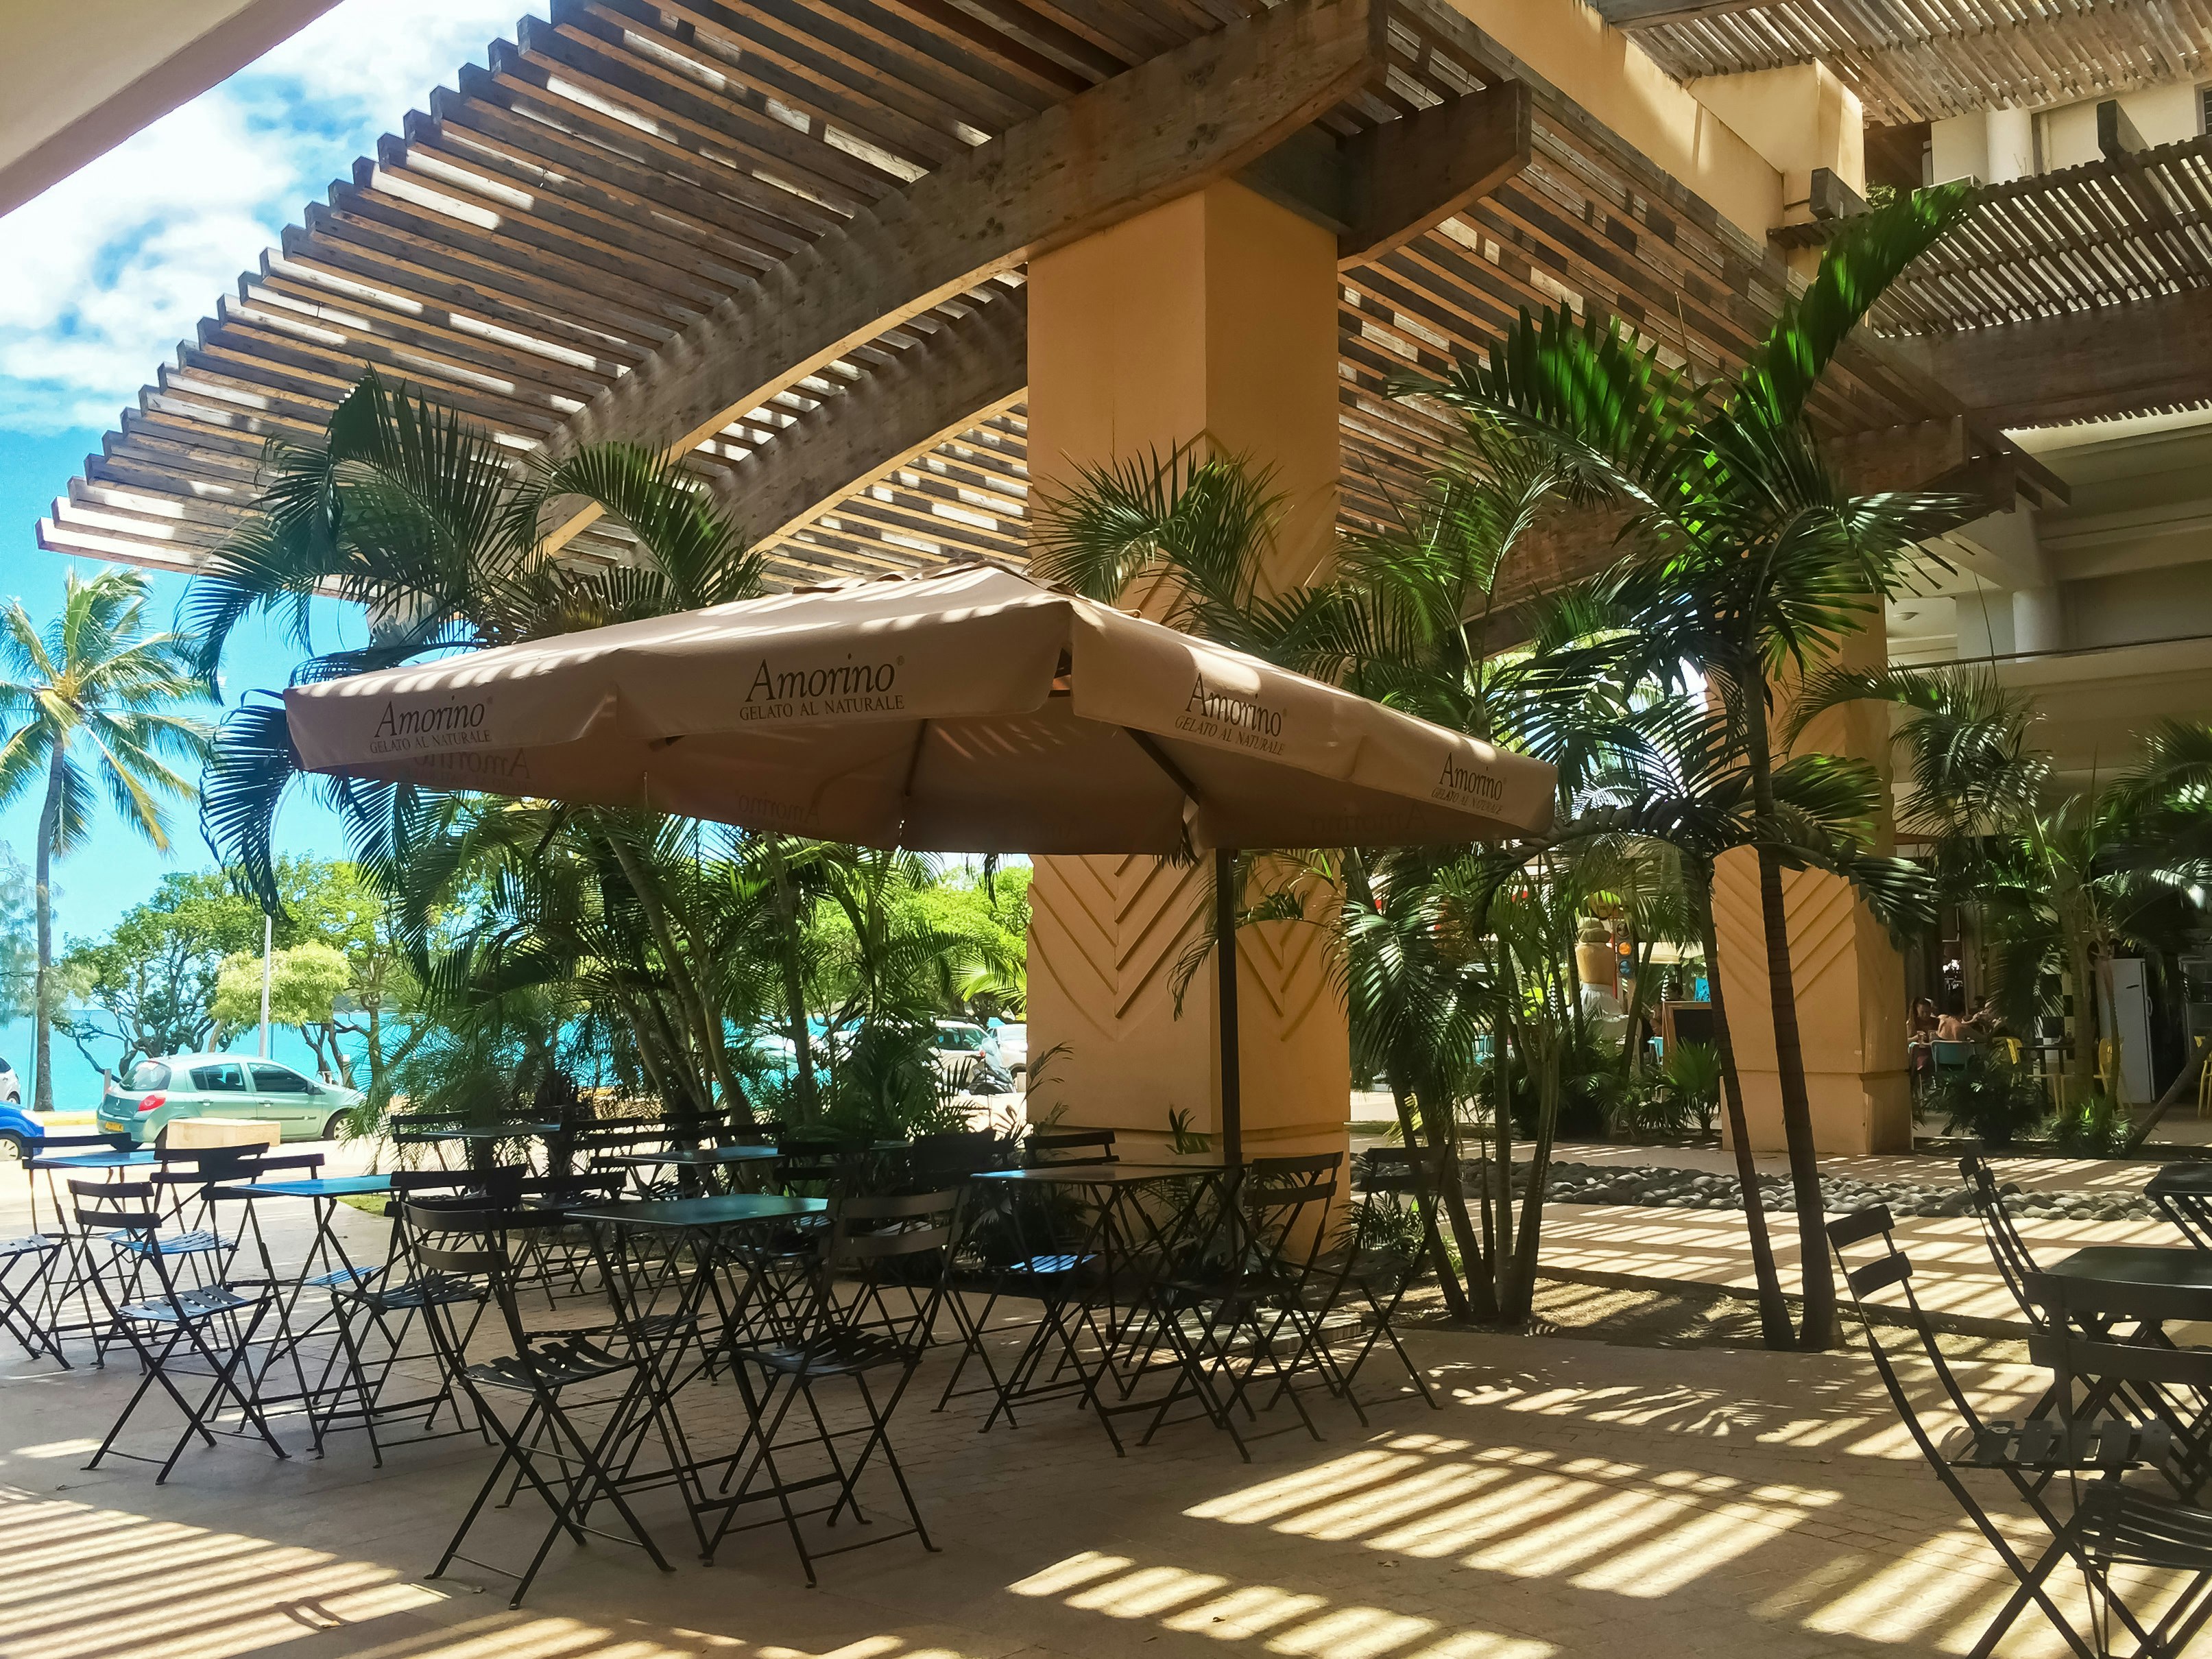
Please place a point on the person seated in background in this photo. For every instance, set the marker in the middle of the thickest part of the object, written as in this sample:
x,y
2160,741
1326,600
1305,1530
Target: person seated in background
x,y
1952,1028
1919,1032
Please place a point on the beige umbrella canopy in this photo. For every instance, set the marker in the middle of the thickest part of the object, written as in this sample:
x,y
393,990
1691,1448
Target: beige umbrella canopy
x,y
973,709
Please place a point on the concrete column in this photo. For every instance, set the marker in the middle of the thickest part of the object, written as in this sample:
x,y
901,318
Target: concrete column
x,y
2011,139
1849,978
2039,620
1210,320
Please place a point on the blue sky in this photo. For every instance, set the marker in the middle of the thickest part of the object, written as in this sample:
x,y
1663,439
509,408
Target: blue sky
x,y
110,270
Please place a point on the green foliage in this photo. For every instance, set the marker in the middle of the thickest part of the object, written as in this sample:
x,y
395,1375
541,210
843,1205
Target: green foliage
x,y
1988,1097
19,953
149,987
2090,1127
1691,1074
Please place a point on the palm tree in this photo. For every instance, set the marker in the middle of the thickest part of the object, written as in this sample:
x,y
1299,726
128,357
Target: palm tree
x,y
1676,772
439,534
88,702
2062,876
1748,557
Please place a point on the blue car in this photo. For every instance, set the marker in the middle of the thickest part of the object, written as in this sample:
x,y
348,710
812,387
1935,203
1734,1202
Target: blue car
x,y
20,1132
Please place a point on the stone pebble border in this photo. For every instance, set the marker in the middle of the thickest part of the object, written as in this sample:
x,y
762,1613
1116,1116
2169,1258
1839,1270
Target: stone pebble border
x,y
1663,1187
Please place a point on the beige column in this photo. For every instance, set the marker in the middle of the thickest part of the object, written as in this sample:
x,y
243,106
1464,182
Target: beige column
x,y
1850,979
1210,320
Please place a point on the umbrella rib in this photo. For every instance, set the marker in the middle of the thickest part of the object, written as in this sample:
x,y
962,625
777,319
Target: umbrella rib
x,y
1145,741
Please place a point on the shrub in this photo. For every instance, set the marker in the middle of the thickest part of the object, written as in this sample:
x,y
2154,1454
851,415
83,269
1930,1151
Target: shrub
x,y
1988,1097
2095,1128
1691,1074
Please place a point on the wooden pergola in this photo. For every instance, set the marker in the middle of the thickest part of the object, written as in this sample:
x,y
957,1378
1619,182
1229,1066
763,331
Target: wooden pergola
x,y
787,238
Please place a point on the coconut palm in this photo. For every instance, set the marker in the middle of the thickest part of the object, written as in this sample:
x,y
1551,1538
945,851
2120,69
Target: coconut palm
x,y
1747,556
88,703
441,536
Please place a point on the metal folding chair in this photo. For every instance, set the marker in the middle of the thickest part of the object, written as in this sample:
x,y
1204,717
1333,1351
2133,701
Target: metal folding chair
x,y
2027,1453
1378,1263
211,1323
2115,1524
841,1337
24,1263
558,1380
1245,1290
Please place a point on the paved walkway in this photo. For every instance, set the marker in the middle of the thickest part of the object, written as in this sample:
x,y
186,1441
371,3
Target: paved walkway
x,y
1572,1499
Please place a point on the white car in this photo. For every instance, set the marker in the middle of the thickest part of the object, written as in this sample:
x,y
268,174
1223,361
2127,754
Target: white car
x,y
1013,1049
11,1086
963,1048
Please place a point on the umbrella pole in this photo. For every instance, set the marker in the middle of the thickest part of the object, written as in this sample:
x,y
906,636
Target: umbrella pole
x,y
1225,951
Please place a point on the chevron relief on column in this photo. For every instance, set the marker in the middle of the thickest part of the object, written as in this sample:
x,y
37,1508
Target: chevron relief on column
x,y
1072,937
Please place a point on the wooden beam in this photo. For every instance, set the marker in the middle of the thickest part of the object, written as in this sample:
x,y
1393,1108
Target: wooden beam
x,y
2085,364
932,391
1389,183
1650,14
1157,132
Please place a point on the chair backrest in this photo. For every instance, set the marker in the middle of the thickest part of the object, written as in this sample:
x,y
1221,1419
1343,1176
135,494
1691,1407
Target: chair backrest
x,y
1884,1266
940,1161
115,1205
2077,1306
811,1158
1948,1055
1068,1147
2014,1261
1286,1200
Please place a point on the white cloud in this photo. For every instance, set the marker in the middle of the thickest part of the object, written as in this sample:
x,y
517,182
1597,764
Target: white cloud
x,y
105,273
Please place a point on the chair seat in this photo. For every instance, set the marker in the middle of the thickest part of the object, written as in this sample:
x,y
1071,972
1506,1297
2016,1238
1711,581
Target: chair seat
x,y
839,1354
2120,1524
187,1307
1048,1267
10,1249
2042,1444
558,1363
338,1278
191,1243
417,1293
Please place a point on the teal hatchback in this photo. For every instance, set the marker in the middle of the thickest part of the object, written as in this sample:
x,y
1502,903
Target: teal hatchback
x,y
160,1092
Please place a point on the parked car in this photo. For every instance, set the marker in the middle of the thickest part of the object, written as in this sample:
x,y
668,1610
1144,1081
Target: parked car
x,y
969,1055
160,1092
20,1132
1013,1049
11,1086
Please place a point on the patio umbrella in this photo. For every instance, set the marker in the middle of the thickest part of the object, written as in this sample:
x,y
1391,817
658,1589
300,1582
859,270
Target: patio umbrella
x,y
972,709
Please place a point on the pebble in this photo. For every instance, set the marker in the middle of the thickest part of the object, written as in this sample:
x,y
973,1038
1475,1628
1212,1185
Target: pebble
x,y
1663,1187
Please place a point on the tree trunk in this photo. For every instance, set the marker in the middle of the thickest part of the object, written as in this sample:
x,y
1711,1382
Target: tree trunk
x,y
42,1001
1448,1284
1814,1271
1444,1153
706,1026
794,988
1773,1312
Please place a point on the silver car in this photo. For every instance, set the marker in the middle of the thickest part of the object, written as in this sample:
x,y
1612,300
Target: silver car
x,y
160,1092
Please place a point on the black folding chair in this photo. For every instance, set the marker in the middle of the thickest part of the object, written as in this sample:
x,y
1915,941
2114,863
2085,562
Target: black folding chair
x,y
1366,1275
559,1380
24,1263
1068,1147
2115,1524
2027,1453
211,1323
2191,1461
374,1309
1245,1290
842,1336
